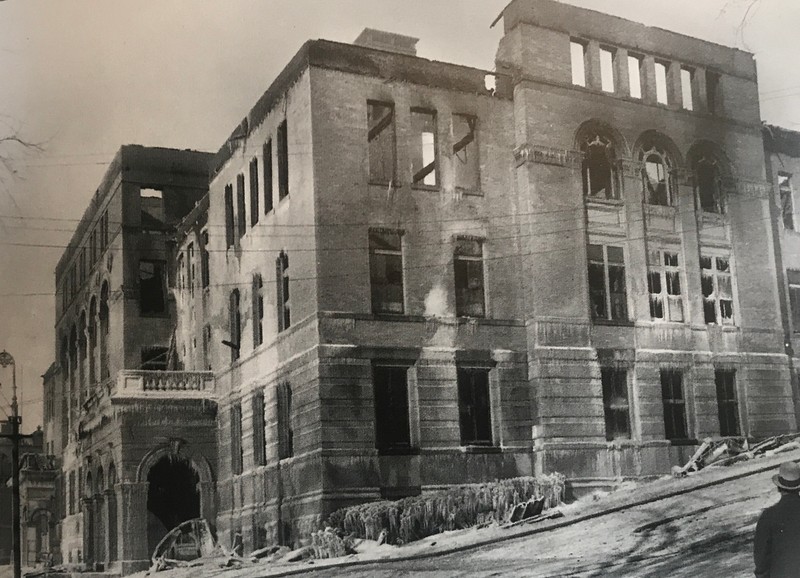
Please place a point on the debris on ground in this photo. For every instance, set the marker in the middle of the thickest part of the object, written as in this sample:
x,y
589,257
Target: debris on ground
x,y
731,450
187,542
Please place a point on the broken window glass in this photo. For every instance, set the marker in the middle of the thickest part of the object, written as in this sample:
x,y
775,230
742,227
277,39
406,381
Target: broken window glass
x,y
381,141
664,282
599,173
465,152
787,200
657,176
152,289
708,185
615,403
474,406
717,285
468,265
424,158
727,405
392,431
386,271
674,404
607,284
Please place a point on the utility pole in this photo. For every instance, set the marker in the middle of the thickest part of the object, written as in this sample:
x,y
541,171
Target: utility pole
x,y
15,420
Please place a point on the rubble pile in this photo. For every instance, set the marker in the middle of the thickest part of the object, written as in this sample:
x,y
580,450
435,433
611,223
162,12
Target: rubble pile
x,y
731,450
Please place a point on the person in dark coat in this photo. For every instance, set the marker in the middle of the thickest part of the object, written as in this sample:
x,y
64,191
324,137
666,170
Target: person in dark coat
x,y
777,543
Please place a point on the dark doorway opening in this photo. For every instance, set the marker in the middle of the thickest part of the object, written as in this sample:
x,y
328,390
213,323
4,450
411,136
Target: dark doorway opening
x,y
172,497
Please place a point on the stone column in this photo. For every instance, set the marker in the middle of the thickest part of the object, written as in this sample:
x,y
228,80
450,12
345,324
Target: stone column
x,y
100,530
87,506
208,494
132,527
110,524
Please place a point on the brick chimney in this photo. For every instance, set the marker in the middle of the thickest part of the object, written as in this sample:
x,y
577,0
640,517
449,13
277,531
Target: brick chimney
x,y
388,41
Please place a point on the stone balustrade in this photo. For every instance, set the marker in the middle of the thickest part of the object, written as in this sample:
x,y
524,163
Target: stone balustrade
x,y
172,383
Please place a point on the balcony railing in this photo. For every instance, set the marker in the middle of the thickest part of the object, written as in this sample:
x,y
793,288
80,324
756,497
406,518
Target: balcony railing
x,y
168,383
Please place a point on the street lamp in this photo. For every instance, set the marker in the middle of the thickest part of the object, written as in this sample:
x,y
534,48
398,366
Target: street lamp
x,y
5,360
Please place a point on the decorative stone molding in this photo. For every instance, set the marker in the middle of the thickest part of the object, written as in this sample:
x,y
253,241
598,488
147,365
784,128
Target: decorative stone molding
x,y
630,168
545,155
753,189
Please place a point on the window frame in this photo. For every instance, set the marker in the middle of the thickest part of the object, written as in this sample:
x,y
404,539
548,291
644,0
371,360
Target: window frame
x,y
662,82
388,423
258,408
461,146
604,145
391,125
476,439
608,70
675,408
235,323
418,182
284,419
716,294
269,199
687,77
578,62
379,307
237,447
283,296
639,61
160,271
241,206
230,218
665,161
717,195
610,408
786,201
282,137
257,294
663,269
459,258
609,316
254,192
725,403
793,290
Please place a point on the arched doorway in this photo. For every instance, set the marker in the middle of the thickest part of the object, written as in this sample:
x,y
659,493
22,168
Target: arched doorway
x,y
172,497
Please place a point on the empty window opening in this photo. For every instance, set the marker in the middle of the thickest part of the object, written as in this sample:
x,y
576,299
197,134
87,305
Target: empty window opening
x,y
386,271
258,310
230,235
607,292
474,406
282,280
599,172
674,405
787,200
577,51
465,152
727,404
424,158
268,202
635,76
709,186
172,497
381,139
468,265
615,403
390,386
259,432
793,278
155,358
241,208
285,430
607,73
664,285
717,285
204,264
235,324
190,268
283,160
152,288
207,347
237,450
662,94
713,82
152,209
104,235
254,212
687,88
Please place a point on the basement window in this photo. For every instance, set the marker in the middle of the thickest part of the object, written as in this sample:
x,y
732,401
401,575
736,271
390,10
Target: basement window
x,y
687,88
283,160
230,235
386,271
465,152
152,209
390,387
154,358
152,289
577,51
381,140
662,93
468,265
474,406
727,404
607,62
615,403
635,64
424,158
254,213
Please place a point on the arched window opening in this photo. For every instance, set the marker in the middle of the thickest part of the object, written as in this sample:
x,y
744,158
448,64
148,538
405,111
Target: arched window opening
x,y
708,185
105,371
599,170
657,179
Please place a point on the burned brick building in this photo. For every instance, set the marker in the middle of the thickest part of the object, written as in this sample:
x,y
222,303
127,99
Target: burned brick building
x,y
409,274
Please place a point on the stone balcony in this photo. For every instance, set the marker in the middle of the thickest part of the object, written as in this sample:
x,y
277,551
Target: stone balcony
x,y
164,384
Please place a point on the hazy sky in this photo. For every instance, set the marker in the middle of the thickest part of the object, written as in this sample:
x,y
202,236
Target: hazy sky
x,y
83,77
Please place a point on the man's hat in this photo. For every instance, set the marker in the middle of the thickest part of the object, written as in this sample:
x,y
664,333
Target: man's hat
x,y
788,477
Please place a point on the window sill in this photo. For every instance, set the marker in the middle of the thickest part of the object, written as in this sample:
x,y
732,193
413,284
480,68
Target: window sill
x,y
384,184
399,451
603,201
683,442
470,192
614,322
481,449
419,187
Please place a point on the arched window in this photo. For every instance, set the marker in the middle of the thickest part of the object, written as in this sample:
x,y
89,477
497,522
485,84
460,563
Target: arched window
x,y
657,180
599,170
708,185
105,371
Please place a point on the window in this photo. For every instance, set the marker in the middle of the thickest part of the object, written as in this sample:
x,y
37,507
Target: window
x,y
204,265
664,285
152,209
577,51
607,62
71,492
709,186
104,230
712,91
615,403
237,451
285,431
793,277
390,388
259,433
727,405
657,178
258,310
82,262
635,76
662,94
687,88
241,209
229,220
235,324
474,406
254,213
152,289
282,279
283,161
424,158
599,171
607,283
268,203
674,404
381,137
468,265
207,347
155,358
717,285
93,245
190,268
787,200
465,153
386,271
